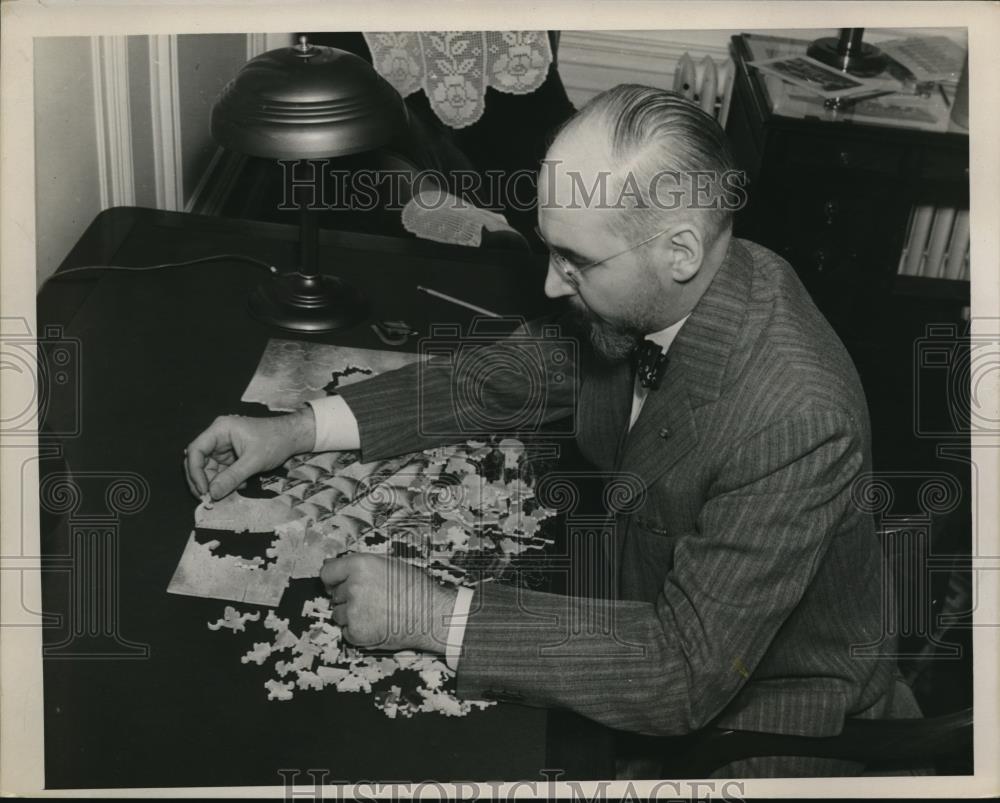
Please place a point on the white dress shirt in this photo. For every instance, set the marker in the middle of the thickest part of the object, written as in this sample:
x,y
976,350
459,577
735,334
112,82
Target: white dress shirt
x,y
330,415
663,339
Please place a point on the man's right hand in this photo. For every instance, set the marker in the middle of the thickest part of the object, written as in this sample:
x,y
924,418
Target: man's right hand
x,y
235,448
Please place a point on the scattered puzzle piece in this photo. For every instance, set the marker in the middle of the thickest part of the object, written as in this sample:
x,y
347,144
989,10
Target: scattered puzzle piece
x,y
431,510
261,652
276,690
233,620
309,680
318,608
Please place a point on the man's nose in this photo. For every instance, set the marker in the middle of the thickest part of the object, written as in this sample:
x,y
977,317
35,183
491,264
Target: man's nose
x,y
556,286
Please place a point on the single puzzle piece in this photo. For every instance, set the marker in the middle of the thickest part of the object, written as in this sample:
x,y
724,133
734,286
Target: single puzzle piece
x,y
260,653
273,622
233,620
309,680
318,608
276,690
284,641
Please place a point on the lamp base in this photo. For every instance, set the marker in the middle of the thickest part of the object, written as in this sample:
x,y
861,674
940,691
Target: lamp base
x,y
864,62
302,303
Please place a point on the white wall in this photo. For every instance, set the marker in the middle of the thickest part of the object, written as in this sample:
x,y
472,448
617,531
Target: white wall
x,y
592,61
67,180
125,121
208,63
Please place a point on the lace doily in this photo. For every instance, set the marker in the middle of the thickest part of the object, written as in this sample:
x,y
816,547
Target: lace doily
x,y
450,220
454,68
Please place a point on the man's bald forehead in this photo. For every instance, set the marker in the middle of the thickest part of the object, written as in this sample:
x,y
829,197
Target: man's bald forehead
x,y
579,158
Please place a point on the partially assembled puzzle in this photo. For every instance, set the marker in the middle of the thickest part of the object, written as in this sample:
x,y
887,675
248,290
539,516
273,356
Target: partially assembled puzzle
x,y
461,512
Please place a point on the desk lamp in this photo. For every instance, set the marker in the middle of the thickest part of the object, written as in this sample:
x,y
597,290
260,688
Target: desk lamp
x,y
307,102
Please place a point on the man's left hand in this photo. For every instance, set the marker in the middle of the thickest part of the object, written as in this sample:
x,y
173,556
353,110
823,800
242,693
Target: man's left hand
x,y
388,604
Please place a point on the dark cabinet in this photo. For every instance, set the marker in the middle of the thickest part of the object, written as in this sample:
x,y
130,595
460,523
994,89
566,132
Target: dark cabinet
x,y
832,192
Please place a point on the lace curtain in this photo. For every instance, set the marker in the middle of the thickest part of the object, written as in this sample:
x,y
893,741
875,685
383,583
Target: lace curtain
x,y
454,68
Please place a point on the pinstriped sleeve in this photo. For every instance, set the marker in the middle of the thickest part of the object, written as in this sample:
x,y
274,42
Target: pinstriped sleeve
x,y
514,385
671,666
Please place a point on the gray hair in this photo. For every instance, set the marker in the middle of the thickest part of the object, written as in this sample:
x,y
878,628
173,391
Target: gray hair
x,y
653,132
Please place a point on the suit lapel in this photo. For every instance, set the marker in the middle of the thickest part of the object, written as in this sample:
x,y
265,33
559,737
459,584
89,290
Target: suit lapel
x,y
663,433
665,430
605,405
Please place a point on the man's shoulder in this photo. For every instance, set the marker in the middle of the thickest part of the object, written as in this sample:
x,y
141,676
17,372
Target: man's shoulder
x,y
787,351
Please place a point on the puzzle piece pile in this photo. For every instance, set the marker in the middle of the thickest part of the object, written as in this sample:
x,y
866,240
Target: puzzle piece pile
x,y
317,658
462,512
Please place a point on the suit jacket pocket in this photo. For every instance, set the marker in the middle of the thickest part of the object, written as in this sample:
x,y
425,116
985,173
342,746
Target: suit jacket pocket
x,y
647,558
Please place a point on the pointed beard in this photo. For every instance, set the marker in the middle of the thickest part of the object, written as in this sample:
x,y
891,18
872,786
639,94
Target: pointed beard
x,y
611,343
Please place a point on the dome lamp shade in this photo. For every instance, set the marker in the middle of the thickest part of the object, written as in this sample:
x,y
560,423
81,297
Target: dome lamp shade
x,y
307,102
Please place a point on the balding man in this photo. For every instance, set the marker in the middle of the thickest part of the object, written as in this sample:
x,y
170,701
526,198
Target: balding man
x,y
747,575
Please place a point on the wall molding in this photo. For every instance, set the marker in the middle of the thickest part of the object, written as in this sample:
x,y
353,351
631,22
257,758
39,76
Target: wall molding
x,y
256,44
164,103
113,120
592,61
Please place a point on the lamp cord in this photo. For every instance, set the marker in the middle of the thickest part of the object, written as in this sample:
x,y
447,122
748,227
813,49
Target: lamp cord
x,y
140,268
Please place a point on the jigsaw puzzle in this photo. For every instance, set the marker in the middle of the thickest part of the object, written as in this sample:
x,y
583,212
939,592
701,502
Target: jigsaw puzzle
x,y
292,372
462,512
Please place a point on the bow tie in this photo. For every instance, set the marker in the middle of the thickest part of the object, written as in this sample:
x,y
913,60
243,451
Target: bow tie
x,y
651,364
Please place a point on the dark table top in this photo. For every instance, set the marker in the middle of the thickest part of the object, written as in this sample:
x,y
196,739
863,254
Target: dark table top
x,y
158,699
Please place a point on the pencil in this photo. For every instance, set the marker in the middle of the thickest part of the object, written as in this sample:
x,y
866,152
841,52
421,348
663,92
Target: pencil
x,y
944,95
458,301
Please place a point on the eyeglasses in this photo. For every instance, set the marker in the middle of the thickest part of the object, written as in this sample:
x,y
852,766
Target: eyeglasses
x,y
572,274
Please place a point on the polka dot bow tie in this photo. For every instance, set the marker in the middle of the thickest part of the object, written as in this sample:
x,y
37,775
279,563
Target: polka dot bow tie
x,y
651,364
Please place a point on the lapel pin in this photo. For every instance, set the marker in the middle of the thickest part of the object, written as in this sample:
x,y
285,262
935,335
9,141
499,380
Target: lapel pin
x,y
664,433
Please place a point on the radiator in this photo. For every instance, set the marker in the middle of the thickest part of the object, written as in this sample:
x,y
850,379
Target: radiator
x,y
709,83
936,243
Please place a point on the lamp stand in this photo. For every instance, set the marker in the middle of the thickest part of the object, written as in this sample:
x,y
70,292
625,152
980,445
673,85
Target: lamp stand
x,y
308,301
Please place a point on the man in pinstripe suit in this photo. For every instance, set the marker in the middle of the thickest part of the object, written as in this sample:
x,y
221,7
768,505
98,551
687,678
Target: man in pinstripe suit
x,y
747,574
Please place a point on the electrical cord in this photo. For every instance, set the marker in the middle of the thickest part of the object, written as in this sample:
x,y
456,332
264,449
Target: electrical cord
x,y
140,268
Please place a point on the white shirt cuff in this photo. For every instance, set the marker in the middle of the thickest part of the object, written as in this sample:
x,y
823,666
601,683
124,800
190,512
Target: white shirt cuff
x,y
325,411
456,627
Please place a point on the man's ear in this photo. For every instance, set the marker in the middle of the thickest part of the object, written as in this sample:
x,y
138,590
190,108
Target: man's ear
x,y
687,251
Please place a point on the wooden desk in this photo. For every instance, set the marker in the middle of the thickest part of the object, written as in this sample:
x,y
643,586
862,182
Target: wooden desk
x,y
158,699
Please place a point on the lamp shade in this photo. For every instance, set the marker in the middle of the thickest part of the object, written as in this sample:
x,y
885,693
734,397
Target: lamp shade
x,y
307,102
